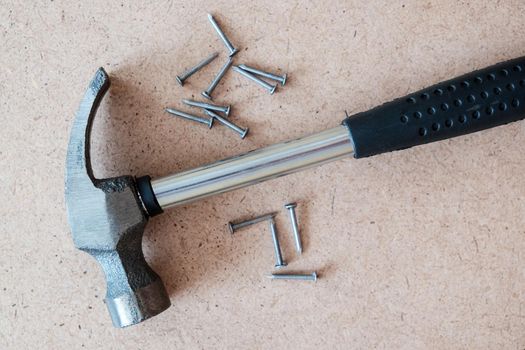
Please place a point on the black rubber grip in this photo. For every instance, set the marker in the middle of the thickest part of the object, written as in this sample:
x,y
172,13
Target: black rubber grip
x,y
476,101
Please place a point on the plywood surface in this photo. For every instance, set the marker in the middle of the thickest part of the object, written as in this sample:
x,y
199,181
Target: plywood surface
x,y
417,249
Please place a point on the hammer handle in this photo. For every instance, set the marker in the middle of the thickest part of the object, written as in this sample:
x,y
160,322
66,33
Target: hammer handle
x,y
475,101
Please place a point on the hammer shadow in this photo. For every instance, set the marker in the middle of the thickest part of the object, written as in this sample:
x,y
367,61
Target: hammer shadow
x,y
133,135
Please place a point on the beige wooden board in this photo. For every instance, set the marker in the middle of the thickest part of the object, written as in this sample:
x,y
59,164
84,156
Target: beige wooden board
x,y
416,249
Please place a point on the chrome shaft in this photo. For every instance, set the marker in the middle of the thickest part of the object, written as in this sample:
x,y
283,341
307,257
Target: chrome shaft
x,y
253,167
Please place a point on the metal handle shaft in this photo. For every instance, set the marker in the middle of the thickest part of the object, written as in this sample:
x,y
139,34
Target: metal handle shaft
x,y
252,167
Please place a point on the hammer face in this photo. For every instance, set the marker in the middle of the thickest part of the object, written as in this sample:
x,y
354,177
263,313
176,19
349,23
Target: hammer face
x,y
107,221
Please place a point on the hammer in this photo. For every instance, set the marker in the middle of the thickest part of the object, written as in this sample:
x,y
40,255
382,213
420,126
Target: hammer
x,y
108,216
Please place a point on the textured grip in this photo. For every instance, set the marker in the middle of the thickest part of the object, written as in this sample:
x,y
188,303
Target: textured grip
x,y
476,101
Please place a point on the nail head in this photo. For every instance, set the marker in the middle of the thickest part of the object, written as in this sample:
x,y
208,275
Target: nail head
x,y
290,205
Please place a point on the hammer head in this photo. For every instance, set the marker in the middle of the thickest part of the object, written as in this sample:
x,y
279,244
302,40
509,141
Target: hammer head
x,y
107,220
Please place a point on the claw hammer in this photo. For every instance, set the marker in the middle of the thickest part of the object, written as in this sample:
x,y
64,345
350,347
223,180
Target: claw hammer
x,y
108,216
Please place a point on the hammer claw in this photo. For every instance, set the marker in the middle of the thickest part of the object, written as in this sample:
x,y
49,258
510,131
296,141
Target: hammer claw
x,y
78,159
107,221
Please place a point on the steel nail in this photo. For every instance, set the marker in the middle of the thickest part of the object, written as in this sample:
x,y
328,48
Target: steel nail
x,y
295,226
279,78
271,88
184,115
195,69
279,262
208,106
236,128
223,37
207,93
238,225
304,277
